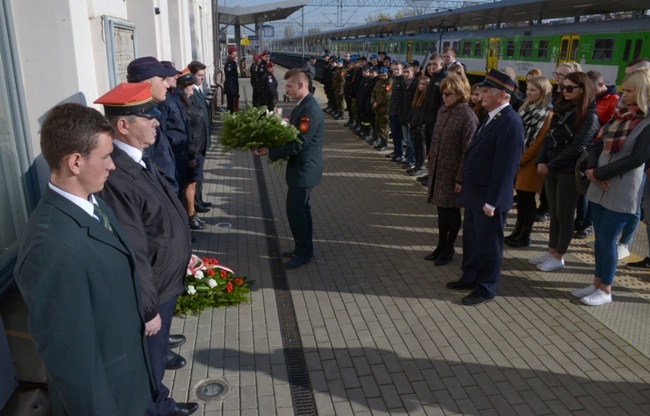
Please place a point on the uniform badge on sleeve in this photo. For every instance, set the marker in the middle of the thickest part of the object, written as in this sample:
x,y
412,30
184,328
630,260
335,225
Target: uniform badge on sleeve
x,y
304,124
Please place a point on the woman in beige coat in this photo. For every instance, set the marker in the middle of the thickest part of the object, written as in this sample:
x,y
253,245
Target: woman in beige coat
x,y
536,115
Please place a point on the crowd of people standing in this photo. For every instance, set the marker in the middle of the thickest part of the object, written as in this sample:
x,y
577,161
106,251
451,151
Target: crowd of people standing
x,y
433,115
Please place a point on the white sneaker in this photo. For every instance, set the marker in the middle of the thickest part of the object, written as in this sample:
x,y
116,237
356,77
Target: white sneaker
x,y
551,264
597,298
586,291
622,250
541,259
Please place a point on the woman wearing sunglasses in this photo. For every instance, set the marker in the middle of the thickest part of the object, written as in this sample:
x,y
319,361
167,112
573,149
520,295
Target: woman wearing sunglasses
x,y
616,167
455,126
573,125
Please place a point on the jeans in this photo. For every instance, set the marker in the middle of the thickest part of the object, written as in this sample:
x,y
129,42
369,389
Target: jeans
x,y
562,200
607,225
630,227
396,132
646,208
410,150
583,213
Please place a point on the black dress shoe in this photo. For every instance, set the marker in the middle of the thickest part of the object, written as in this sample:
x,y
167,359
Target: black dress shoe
x,y
296,261
195,224
184,409
416,172
434,254
444,258
458,285
473,299
201,208
174,361
390,155
176,340
287,254
206,204
542,217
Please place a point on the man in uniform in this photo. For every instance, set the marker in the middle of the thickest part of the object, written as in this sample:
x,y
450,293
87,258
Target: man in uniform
x,y
148,69
253,69
380,100
261,71
304,167
489,168
347,88
364,105
154,222
76,272
270,87
197,69
231,84
338,82
393,112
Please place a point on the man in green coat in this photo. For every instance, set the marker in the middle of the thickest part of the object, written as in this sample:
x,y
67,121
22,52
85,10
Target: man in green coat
x,y
304,167
76,272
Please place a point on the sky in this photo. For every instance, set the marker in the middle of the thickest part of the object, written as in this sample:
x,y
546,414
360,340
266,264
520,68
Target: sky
x,y
325,18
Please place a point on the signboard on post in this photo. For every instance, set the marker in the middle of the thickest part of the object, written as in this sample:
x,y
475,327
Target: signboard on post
x,y
269,31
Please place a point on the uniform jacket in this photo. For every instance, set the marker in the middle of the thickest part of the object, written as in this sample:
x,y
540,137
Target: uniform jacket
x,y
305,164
270,90
253,70
161,151
231,83
452,134
364,107
155,224
174,126
408,92
396,95
80,285
310,70
200,101
433,100
198,139
381,93
338,80
491,162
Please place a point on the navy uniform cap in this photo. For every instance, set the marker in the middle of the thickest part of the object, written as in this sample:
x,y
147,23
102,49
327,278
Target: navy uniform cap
x,y
145,68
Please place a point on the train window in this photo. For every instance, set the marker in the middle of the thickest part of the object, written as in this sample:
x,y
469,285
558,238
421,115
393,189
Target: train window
x,y
603,50
526,49
574,49
467,48
564,47
455,45
510,49
445,44
542,49
637,48
478,48
418,45
425,47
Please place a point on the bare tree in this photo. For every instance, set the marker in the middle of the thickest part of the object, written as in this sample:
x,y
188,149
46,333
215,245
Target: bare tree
x,y
379,17
289,31
419,7
313,31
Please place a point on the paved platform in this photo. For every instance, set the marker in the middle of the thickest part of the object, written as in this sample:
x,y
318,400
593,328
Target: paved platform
x,y
378,331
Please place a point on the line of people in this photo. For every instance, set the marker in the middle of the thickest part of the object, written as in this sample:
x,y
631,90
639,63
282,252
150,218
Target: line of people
x,y
434,116
115,219
263,81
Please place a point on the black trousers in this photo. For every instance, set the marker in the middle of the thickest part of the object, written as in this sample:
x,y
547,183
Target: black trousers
x,y
161,403
526,208
418,146
300,223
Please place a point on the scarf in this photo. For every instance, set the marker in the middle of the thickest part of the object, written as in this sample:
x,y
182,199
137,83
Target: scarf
x,y
533,116
615,131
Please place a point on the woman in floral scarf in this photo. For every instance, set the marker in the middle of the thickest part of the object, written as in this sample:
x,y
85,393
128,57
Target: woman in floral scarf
x,y
616,165
536,115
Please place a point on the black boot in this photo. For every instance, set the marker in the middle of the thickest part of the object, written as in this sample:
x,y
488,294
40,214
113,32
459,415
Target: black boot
x,y
522,239
515,232
383,145
338,116
195,224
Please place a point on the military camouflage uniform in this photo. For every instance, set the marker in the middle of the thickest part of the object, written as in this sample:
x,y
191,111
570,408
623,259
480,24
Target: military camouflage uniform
x,y
381,97
338,81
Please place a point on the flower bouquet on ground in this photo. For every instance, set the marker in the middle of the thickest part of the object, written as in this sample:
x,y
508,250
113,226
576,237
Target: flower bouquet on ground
x,y
254,128
209,284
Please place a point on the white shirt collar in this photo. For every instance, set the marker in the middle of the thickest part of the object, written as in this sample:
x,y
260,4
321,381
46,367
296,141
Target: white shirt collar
x,y
84,204
135,154
494,112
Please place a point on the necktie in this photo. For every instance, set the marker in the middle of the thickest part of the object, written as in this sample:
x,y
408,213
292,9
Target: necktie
x,y
150,166
102,217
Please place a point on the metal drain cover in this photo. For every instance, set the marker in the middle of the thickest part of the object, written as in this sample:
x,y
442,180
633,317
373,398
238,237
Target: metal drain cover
x,y
224,225
211,390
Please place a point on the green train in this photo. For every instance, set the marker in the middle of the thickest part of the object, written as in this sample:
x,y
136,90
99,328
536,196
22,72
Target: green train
x,y
604,46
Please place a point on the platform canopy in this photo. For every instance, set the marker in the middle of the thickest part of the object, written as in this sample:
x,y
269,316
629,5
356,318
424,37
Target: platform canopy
x,y
263,13
500,12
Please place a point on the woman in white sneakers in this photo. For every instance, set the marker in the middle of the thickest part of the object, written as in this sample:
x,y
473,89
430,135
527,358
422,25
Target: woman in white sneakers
x,y
615,168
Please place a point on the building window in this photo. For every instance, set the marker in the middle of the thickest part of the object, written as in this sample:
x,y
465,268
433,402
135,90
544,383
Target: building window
x,y
603,50
526,49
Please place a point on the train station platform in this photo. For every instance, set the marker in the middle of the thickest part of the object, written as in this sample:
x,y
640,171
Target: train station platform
x,y
369,328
